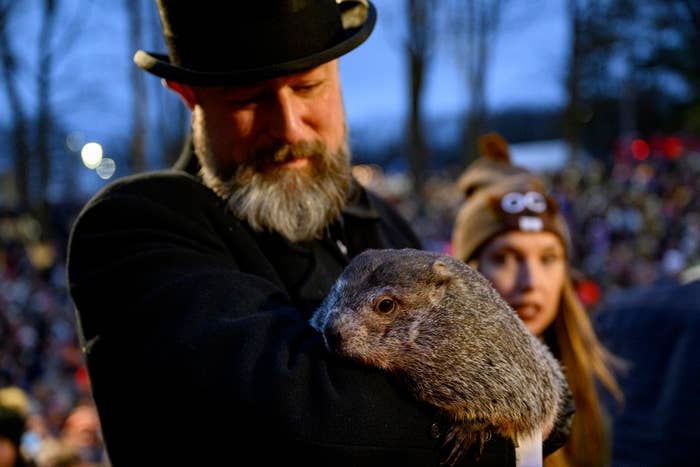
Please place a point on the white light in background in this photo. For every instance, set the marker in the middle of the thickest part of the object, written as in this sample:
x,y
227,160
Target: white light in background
x,y
106,168
91,154
74,141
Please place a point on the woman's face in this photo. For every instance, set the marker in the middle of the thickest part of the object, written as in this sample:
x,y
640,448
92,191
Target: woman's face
x,y
528,269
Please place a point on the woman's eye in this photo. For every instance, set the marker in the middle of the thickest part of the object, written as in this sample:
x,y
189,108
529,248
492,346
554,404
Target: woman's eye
x,y
385,305
501,258
498,259
550,259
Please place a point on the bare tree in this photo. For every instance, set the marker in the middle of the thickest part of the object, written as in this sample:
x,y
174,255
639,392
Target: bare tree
x,y
473,25
596,30
33,121
421,35
20,137
139,97
44,112
576,10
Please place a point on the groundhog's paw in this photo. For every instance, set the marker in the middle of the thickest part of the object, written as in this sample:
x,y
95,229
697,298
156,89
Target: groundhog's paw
x,y
461,441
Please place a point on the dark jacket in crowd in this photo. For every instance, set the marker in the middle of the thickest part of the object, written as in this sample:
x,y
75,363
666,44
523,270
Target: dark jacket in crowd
x,y
197,343
657,331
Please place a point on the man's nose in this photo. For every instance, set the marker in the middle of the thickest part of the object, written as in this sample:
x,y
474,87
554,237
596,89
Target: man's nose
x,y
286,123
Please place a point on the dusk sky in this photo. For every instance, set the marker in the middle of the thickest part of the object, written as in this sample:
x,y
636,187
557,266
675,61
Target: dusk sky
x,y
526,68
526,65
91,82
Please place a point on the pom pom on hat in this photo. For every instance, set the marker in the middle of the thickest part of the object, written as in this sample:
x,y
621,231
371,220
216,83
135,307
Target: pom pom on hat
x,y
492,146
492,165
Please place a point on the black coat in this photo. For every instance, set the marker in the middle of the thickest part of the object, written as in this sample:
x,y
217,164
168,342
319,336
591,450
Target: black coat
x,y
656,330
197,342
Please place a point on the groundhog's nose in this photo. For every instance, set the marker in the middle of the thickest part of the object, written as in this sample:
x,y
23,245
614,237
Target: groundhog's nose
x,y
333,339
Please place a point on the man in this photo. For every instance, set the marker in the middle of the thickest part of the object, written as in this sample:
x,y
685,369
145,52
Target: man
x,y
656,331
193,287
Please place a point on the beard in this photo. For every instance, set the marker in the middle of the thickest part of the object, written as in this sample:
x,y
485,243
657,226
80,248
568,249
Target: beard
x,y
297,203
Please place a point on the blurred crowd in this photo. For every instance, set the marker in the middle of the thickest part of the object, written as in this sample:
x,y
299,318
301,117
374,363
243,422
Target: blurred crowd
x,y
634,223
40,361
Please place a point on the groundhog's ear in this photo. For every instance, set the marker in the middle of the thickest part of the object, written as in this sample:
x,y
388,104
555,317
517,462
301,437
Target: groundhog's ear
x,y
442,272
442,277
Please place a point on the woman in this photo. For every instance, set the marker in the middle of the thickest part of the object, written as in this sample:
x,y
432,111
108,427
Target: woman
x,y
511,230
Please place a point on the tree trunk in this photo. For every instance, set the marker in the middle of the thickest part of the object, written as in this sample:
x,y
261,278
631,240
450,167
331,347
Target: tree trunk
x,y
420,29
572,127
22,152
44,128
476,25
137,148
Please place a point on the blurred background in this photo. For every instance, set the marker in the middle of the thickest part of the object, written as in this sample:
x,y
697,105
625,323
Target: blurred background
x,y
600,96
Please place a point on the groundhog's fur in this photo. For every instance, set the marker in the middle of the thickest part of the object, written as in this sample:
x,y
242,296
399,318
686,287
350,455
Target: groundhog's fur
x,y
440,327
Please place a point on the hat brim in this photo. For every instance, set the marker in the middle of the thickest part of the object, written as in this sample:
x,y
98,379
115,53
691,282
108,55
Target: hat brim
x,y
159,64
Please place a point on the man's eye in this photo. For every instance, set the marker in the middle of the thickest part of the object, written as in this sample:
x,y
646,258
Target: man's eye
x,y
242,102
307,87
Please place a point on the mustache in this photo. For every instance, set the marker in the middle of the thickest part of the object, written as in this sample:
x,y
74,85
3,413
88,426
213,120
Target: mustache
x,y
286,152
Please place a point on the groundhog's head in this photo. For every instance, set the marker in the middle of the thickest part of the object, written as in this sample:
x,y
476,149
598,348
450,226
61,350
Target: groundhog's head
x,y
387,303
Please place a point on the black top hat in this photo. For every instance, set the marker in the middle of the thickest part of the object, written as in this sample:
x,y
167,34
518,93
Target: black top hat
x,y
220,42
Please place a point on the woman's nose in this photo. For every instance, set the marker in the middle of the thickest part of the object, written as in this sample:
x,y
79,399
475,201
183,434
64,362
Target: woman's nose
x,y
528,275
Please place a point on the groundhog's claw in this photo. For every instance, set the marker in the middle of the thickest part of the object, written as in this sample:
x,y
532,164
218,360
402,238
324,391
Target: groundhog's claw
x,y
462,439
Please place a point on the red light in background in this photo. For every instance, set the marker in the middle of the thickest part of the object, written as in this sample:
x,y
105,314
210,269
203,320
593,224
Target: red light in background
x,y
640,149
588,292
672,147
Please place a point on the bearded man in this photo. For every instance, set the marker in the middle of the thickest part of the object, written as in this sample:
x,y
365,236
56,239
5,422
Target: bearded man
x,y
193,287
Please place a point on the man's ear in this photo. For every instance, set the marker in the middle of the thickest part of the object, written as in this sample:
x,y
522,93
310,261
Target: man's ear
x,y
185,92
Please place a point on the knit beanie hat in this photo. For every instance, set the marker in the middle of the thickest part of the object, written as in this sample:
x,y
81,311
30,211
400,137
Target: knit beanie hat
x,y
502,197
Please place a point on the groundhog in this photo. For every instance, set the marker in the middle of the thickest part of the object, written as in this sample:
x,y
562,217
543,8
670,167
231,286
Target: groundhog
x,y
440,327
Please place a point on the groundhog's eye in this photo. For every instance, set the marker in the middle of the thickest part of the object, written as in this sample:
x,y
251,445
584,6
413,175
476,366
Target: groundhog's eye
x,y
385,305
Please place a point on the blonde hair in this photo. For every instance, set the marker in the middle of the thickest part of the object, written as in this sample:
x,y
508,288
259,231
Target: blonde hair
x,y
585,362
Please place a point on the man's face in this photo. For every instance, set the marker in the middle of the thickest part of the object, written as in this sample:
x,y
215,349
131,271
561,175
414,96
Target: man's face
x,y
276,150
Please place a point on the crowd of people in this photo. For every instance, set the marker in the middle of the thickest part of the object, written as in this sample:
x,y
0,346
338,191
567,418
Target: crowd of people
x,y
40,356
635,224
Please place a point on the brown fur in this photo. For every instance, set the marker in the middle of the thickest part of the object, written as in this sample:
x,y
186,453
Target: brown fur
x,y
440,327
